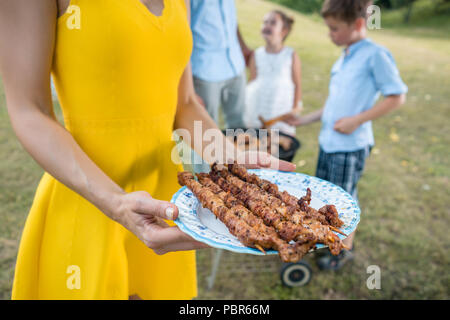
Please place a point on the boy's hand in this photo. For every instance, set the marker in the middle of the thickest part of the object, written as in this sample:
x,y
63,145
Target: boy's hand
x,y
293,119
347,125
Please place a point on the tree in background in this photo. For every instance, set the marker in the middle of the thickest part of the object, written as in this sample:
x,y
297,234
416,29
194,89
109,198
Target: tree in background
x,y
404,3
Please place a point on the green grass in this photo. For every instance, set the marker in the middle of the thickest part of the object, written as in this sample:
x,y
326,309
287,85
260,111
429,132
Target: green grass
x,y
403,193
427,20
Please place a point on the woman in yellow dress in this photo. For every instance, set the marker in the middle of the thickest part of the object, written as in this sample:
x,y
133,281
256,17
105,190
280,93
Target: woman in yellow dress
x,y
99,226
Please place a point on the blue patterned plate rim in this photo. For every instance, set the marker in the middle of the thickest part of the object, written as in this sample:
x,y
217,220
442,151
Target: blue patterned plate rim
x,y
209,241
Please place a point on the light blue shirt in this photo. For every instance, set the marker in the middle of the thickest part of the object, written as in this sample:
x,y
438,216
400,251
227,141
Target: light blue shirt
x,y
217,55
357,79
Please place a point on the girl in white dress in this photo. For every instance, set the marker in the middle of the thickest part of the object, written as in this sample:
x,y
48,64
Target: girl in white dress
x,y
274,87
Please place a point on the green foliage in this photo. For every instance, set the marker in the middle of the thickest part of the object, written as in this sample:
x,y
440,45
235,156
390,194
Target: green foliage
x,y
423,17
401,3
313,6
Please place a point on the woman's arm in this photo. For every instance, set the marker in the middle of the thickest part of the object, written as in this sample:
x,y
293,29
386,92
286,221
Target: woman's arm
x,y
246,51
297,78
27,30
25,63
190,112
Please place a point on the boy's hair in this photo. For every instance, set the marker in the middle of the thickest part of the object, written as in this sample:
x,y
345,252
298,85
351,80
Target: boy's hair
x,y
345,10
288,22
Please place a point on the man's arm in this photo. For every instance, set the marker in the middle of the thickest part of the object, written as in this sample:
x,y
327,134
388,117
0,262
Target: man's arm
x,y
297,78
252,68
246,51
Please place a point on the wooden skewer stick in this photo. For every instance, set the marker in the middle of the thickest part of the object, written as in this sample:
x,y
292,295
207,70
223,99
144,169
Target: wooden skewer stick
x,y
260,248
337,230
271,122
345,247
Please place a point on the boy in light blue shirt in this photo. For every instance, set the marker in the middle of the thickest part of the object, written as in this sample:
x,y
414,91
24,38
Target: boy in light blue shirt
x,y
363,72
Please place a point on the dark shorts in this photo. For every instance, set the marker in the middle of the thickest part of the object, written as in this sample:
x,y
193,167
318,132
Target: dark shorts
x,y
343,168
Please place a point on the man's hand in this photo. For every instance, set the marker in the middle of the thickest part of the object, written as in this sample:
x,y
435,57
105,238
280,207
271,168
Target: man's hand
x,y
347,125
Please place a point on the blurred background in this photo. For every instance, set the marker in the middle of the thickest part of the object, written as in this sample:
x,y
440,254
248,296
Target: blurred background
x,y
403,194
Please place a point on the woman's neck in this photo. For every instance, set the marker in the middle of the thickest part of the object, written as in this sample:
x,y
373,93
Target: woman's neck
x,y
274,47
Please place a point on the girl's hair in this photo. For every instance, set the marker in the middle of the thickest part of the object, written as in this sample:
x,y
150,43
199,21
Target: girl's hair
x,y
287,22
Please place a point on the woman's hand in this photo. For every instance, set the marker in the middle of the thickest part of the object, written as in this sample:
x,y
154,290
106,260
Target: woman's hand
x,y
144,217
258,159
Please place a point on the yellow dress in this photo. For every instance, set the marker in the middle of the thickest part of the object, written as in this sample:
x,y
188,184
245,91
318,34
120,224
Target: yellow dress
x,y
116,70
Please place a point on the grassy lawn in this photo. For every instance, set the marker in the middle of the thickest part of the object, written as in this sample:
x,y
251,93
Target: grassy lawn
x,y
403,194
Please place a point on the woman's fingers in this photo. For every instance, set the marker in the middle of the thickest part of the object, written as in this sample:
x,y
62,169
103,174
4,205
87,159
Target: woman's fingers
x,y
253,160
277,164
169,238
281,165
182,246
157,236
144,216
145,204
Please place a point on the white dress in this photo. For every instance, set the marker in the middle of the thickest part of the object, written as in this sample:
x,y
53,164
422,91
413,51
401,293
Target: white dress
x,y
271,94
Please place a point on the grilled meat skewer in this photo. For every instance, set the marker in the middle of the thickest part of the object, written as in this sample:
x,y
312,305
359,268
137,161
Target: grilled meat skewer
x,y
310,228
326,216
286,229
239,228
287,252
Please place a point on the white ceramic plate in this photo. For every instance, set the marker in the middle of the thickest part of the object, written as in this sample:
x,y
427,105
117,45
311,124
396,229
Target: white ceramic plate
x,y
202,225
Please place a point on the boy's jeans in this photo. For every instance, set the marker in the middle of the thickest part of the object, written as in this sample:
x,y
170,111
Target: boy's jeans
x,y
344,169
